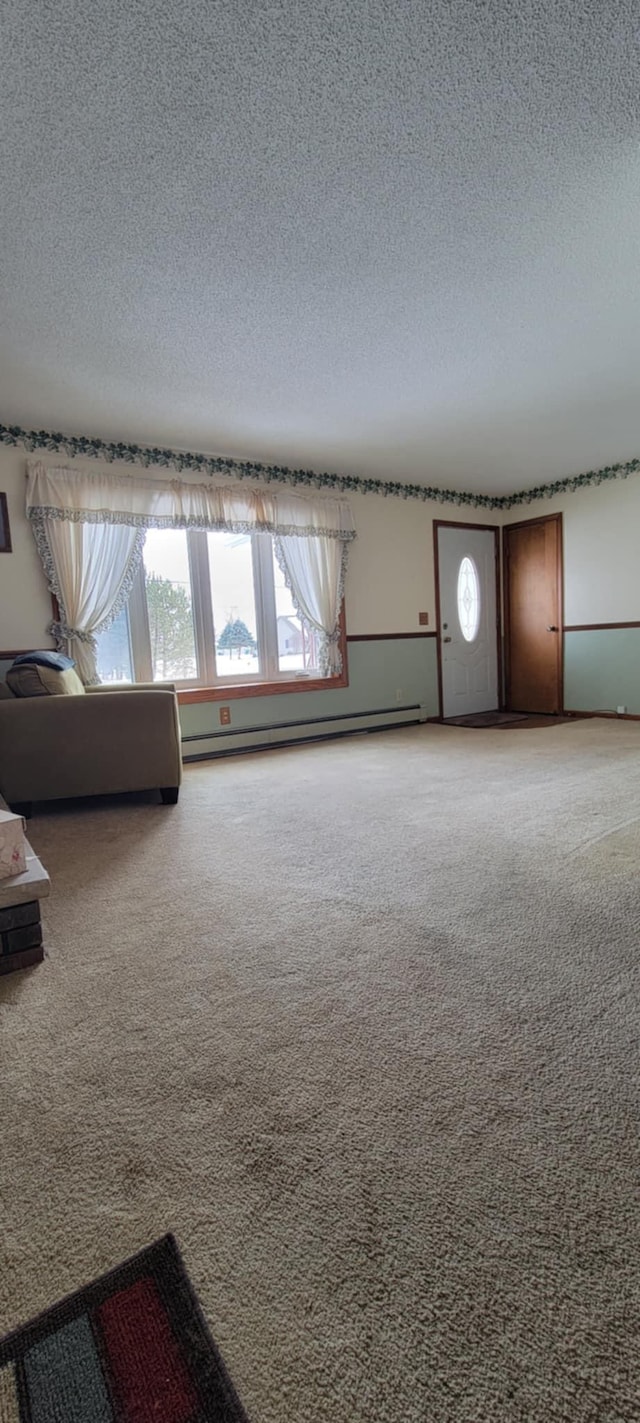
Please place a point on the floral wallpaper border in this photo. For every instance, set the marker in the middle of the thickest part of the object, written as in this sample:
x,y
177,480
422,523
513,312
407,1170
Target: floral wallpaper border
x,y
85,447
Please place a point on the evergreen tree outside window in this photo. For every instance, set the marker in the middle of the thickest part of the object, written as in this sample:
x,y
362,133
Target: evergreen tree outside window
x,y
236,636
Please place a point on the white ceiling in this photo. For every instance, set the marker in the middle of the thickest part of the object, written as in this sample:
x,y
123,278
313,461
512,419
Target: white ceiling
x,y
389,239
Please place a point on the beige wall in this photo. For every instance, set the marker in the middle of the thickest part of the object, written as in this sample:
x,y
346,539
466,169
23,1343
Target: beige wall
x,y
390,578
25,604
391,572
601,527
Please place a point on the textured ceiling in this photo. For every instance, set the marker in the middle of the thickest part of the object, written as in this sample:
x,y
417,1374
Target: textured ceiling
x,y
400,240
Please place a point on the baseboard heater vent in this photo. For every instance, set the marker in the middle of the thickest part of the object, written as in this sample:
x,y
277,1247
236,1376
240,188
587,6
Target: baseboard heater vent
x,y
230,741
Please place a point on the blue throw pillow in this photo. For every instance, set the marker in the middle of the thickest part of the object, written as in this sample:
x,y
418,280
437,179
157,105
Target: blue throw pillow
x,y
57,660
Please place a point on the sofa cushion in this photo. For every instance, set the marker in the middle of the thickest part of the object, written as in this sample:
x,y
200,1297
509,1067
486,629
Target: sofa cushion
x,y
58,660
28,679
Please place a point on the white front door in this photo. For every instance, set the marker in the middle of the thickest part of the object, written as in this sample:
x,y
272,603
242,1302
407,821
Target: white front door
x,y
468,619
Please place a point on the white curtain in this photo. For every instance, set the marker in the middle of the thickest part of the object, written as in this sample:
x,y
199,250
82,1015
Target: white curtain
x,y
90,568
90,531
314,570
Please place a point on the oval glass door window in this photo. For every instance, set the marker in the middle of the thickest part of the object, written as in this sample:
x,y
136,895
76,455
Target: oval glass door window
x,y
468,598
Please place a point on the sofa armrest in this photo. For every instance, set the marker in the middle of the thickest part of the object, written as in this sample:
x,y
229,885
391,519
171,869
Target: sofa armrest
x,y
56,747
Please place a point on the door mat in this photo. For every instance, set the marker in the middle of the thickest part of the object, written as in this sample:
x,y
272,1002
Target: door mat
x,y
528,721
493,718
131,1347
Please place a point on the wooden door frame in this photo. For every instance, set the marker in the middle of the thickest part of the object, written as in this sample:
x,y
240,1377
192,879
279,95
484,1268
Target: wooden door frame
x,y
488,528
521,524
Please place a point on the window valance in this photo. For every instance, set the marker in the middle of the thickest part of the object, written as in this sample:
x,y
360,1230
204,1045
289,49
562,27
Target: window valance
x,y
78,497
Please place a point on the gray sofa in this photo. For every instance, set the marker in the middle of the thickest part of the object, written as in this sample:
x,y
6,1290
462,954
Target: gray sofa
x,y
111,740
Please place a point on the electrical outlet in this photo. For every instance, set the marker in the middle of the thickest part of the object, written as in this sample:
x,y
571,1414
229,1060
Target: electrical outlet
x,y
423,620
621,710
225,716
399,695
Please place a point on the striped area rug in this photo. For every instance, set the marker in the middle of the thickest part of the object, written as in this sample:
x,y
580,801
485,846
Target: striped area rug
x,y
130,1348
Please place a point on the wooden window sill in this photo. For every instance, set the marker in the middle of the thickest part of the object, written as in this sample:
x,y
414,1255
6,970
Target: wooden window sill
x,y
261,689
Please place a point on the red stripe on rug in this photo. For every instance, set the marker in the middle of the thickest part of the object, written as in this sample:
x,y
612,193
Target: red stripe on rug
x,y
149,1374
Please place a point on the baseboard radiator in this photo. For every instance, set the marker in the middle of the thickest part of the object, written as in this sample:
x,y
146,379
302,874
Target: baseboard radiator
x,y
206,745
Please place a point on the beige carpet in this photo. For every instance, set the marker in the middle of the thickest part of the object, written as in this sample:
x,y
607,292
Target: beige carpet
x,y
359,1022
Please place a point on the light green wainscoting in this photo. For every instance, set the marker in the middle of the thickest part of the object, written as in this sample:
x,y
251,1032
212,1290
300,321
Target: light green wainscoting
x,y
602,670
391,681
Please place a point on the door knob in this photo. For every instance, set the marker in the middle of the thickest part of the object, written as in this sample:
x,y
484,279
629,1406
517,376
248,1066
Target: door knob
x,y
552,629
